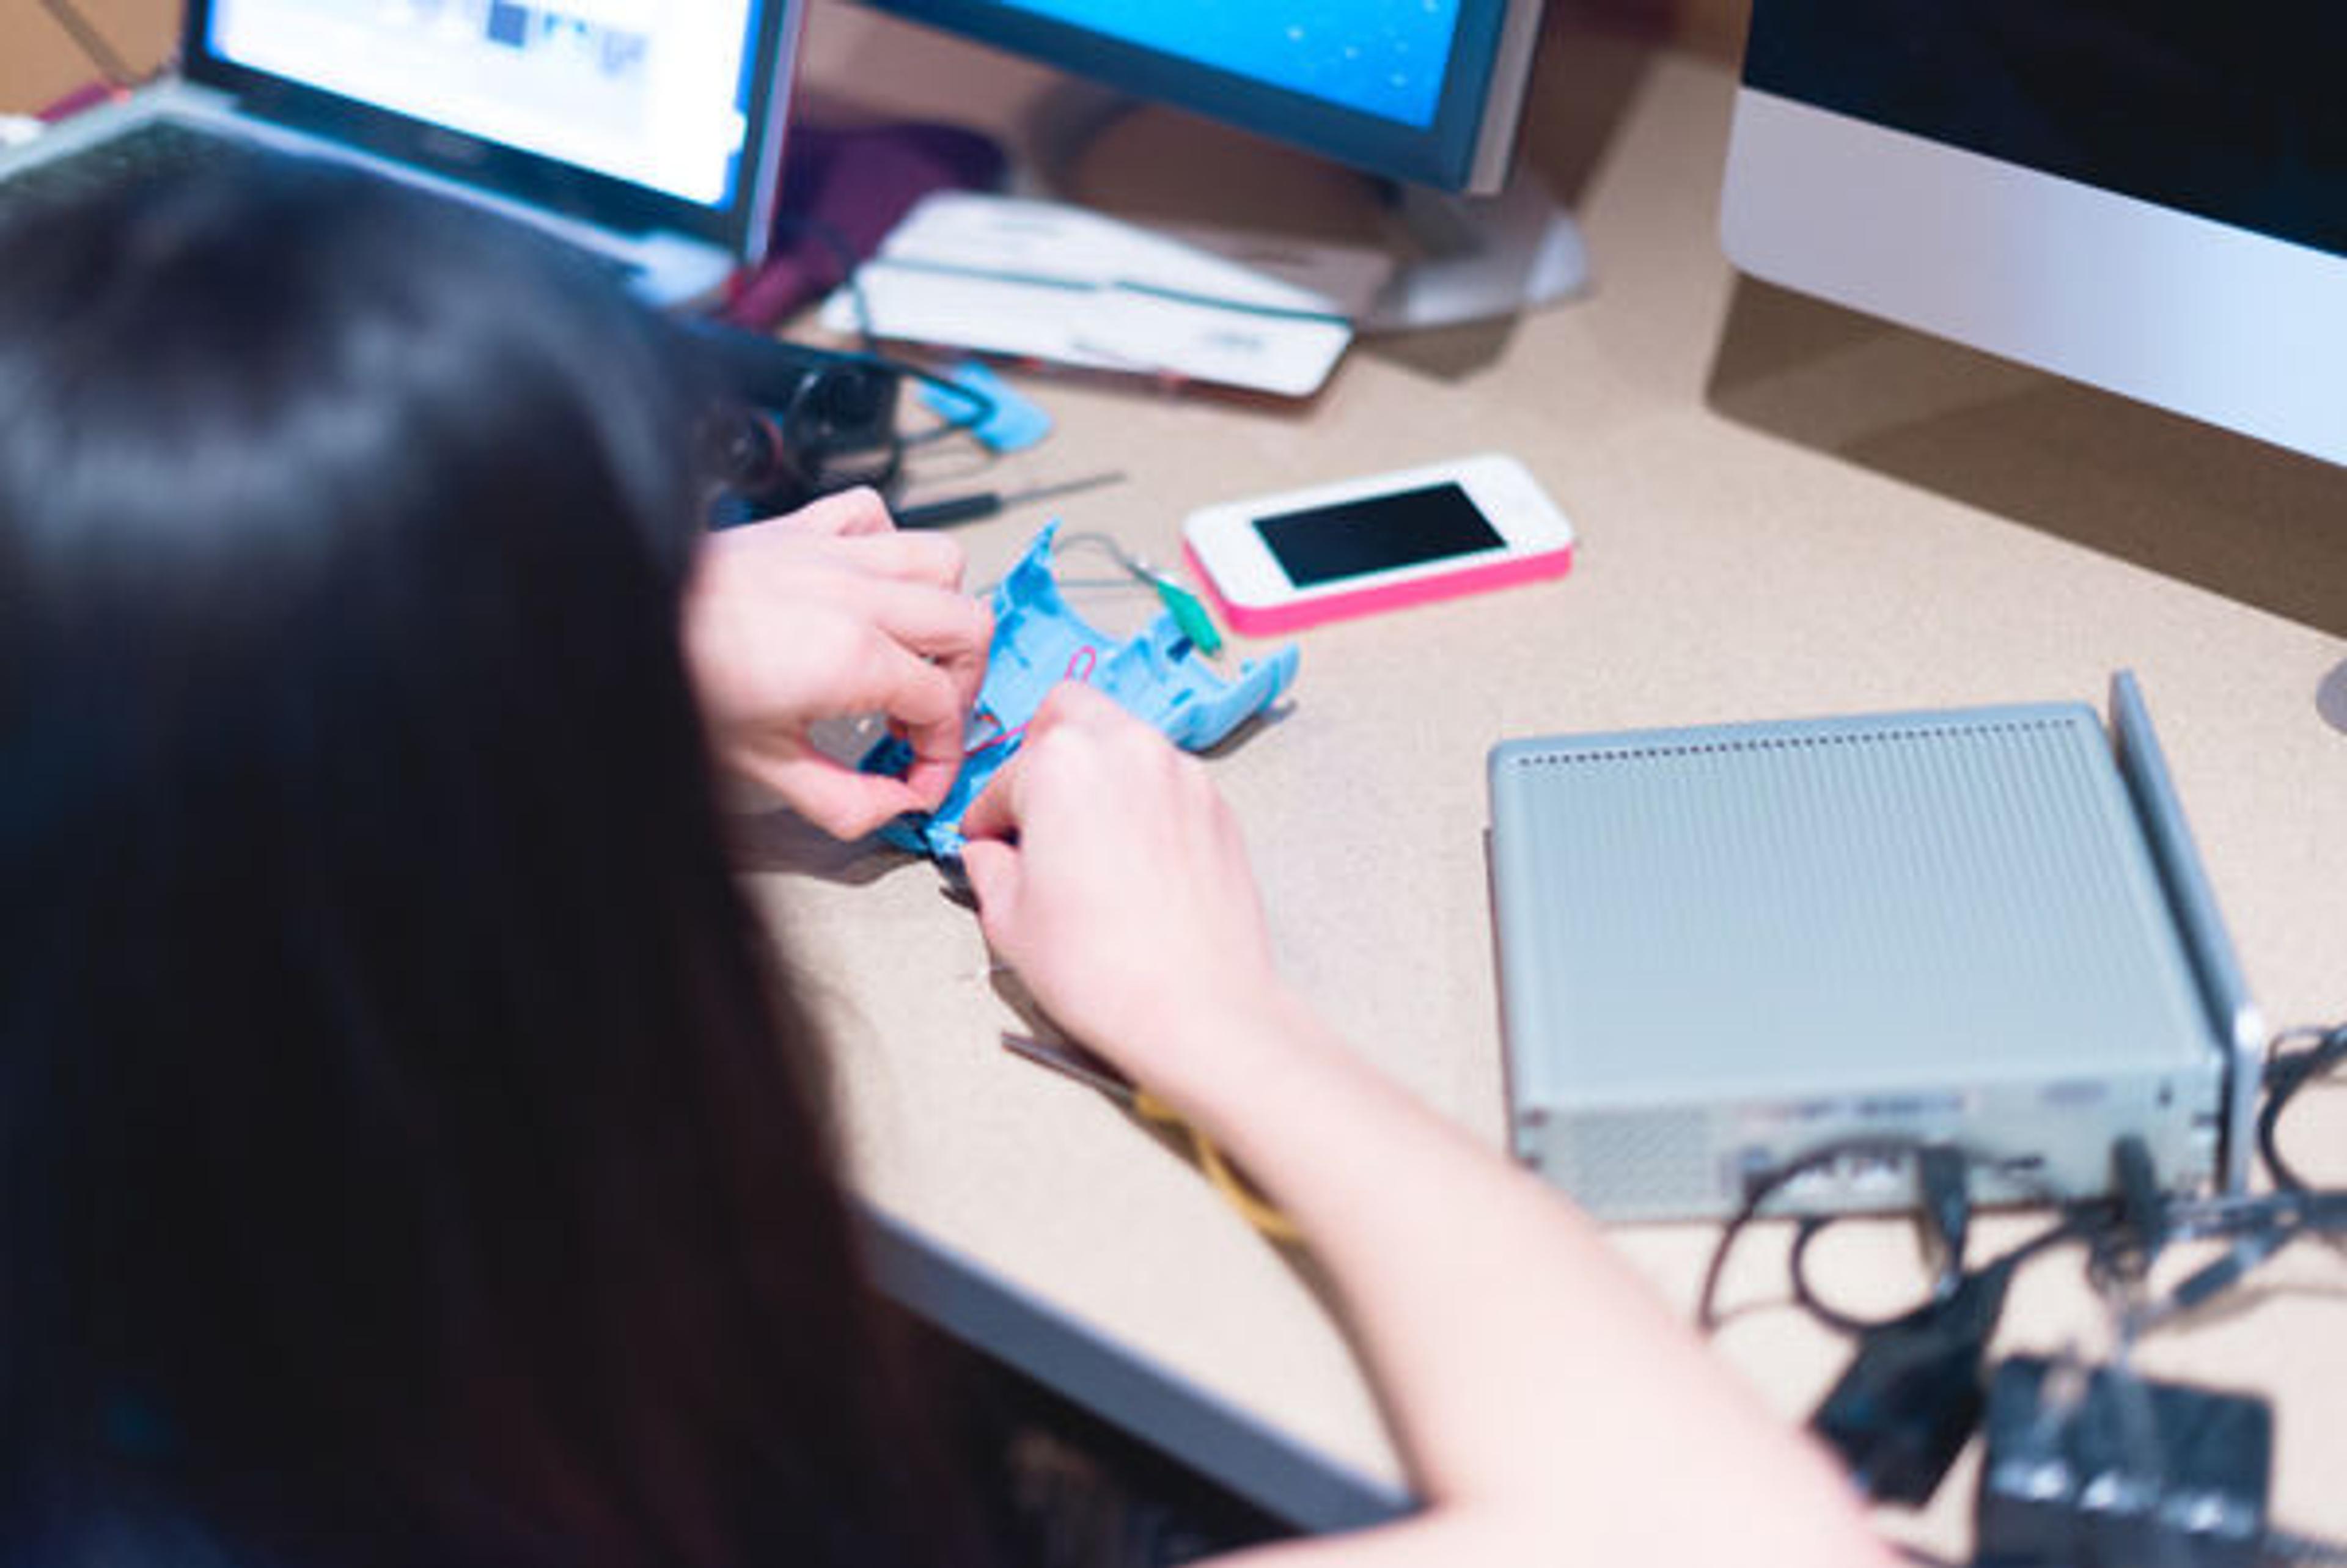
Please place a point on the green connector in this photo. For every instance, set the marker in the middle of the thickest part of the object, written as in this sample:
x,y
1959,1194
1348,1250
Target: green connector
x,y
1189,614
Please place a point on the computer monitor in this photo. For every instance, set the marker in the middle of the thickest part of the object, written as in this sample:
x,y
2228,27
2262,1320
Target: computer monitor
x,y
1423,90
2150,196
639,118
1427,93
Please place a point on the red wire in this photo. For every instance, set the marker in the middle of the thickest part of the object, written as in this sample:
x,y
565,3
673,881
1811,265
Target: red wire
x,y
1081,665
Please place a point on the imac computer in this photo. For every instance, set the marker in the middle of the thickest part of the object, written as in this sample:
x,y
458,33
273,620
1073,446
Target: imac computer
x,y
2150,196
1425,94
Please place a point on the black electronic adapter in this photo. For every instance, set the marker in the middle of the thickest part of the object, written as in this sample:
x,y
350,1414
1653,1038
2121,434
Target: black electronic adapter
x,y
2102,1469
1911,1397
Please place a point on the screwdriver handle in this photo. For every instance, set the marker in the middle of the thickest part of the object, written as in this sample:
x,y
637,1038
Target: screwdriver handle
x,y
951,510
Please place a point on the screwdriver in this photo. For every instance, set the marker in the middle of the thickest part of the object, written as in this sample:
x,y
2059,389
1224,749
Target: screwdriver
x,y
979,504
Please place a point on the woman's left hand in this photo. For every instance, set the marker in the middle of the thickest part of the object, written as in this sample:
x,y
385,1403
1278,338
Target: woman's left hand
x,y
826,613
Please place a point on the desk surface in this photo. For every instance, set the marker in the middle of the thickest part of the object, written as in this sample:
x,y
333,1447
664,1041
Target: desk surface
x,y
1784,510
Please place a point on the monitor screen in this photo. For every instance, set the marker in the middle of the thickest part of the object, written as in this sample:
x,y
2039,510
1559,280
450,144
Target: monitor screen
x,y
652,94
2147,195
1427,91
2234,114
1383,57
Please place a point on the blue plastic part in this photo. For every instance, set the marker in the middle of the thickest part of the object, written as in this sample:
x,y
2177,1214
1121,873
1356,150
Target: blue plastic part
x,y
1039,643
1016,423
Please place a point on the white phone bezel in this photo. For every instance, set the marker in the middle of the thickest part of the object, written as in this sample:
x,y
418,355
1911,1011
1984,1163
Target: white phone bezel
x,y
1228,544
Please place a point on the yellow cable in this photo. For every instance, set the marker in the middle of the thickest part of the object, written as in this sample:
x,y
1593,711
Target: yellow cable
x,y
1252,1205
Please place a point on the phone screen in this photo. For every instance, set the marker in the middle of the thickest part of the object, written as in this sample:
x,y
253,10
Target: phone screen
x,y
1377,533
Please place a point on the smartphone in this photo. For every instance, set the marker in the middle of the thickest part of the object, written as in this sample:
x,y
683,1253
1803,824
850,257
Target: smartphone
x,y
1277,563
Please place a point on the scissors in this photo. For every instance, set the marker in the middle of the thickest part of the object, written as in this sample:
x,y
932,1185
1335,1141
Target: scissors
x,y
1081,1065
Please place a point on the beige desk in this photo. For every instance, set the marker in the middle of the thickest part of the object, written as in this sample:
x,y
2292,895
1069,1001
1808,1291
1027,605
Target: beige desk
x,y
40,60
1786,510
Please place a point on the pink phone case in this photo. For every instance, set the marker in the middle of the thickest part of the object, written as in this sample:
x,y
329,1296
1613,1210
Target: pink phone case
x,y
1270,619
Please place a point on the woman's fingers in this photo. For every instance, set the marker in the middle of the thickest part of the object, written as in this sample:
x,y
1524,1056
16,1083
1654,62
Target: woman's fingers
x,y
835,797
844,514
853,529
994,814
998,808
950,629
992,870
927,705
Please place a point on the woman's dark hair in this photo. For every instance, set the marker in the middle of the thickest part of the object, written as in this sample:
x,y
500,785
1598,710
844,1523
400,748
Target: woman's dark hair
x,y
407,1153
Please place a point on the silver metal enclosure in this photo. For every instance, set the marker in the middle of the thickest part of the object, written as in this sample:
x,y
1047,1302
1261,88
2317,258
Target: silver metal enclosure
x,y
1720,948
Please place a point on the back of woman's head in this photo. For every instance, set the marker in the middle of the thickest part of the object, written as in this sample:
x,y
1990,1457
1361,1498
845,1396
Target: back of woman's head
x,y
402,1155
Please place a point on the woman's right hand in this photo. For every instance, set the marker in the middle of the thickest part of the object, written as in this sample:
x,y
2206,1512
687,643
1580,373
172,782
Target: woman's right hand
x,y
1112,876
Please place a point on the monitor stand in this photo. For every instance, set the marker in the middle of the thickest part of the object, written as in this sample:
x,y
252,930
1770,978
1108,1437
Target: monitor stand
x,y
1478,257
2330,699
1419,258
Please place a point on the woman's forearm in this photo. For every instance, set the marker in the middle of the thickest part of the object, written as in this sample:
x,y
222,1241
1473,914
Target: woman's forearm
x,y
1534,1380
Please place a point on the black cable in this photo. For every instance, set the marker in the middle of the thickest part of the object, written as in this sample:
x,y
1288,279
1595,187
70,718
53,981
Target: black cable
x,y
821,468
2123,1236
1759,1190
1913,1392
843,256
978,407
1845,1324
92,42
982,406
2260,1228
2079,1223
2287,1072
1944,1211
1763,1186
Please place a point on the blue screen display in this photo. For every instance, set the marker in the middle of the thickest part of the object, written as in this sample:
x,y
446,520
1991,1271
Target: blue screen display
x,y
1381,57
